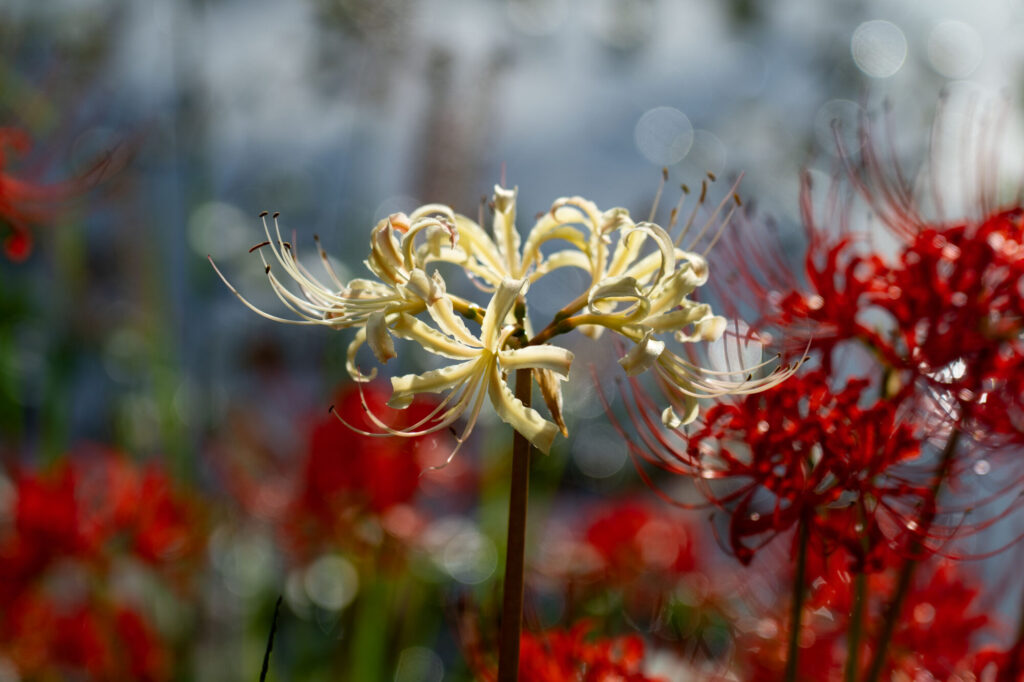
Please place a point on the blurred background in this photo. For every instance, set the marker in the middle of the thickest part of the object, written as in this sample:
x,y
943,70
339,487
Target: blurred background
x,y
157,131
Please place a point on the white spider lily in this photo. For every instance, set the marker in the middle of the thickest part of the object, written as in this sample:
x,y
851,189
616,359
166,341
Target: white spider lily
x,y
639,288
393,258
483,363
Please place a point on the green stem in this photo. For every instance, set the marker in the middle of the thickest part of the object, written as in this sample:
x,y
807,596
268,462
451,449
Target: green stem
x,y
369,643
892,613
860,596
515,554
799,578
860,590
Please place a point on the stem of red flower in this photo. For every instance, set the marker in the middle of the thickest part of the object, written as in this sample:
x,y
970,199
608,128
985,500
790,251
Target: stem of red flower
x,y
1011,673
892,613
515,552
860,589
793,656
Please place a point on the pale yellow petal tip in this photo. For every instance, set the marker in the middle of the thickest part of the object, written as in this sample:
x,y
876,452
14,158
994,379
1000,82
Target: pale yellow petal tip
x,y
712,328
642,356
544,438
672,420
504,198
551,389
400,402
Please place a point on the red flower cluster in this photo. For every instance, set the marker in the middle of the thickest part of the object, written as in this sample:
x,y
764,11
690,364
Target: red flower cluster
x,y
574,654
937,636
947,310
343,482
69,526
799,450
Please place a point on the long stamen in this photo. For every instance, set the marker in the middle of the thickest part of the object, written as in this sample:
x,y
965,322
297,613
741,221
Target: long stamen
x,y
657,195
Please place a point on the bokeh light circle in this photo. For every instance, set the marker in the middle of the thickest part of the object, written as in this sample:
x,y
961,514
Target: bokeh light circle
x,y
331,582
663,135
879,48
955,49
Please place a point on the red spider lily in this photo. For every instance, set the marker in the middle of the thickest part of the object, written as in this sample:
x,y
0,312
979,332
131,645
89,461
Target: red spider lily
x,y
796,451
573,654
631,550
81,517
343,480
764,653
935,636
47,639
943,306
377,473
24,203
842,278
82,509
939,622
632,539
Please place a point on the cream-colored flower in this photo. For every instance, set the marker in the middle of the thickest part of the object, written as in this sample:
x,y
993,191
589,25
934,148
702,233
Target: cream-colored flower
x,y
480,372
640,282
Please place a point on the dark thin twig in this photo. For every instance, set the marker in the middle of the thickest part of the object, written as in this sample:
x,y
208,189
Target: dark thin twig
x,y
270,642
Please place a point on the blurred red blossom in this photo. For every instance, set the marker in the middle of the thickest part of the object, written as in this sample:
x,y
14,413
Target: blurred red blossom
x,y
632,539
937,636
341,488
25,203
68,528
575,653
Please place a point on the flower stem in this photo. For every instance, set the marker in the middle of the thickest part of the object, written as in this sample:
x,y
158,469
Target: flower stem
x,y
515,553
1012,670
892,613
860,589
799,578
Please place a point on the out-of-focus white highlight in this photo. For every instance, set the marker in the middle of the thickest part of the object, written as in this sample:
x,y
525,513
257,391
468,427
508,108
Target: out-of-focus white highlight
x,y
331,582
955,49
663,135
879,48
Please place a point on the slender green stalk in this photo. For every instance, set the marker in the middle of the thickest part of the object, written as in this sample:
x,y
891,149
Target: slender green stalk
x,y
853,637
515,553
799,578
860,597
368,652
892,613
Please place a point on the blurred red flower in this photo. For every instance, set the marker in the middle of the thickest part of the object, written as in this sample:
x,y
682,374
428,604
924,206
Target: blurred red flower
x,y
347,478
24,203
632,539
69,526
573,654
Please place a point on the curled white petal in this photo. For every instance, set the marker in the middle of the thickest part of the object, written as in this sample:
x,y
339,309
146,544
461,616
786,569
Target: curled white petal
x,y
553,358
614,290
408,327
670,419
642,356
350,359
406,387
525,420
378,338
498,309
